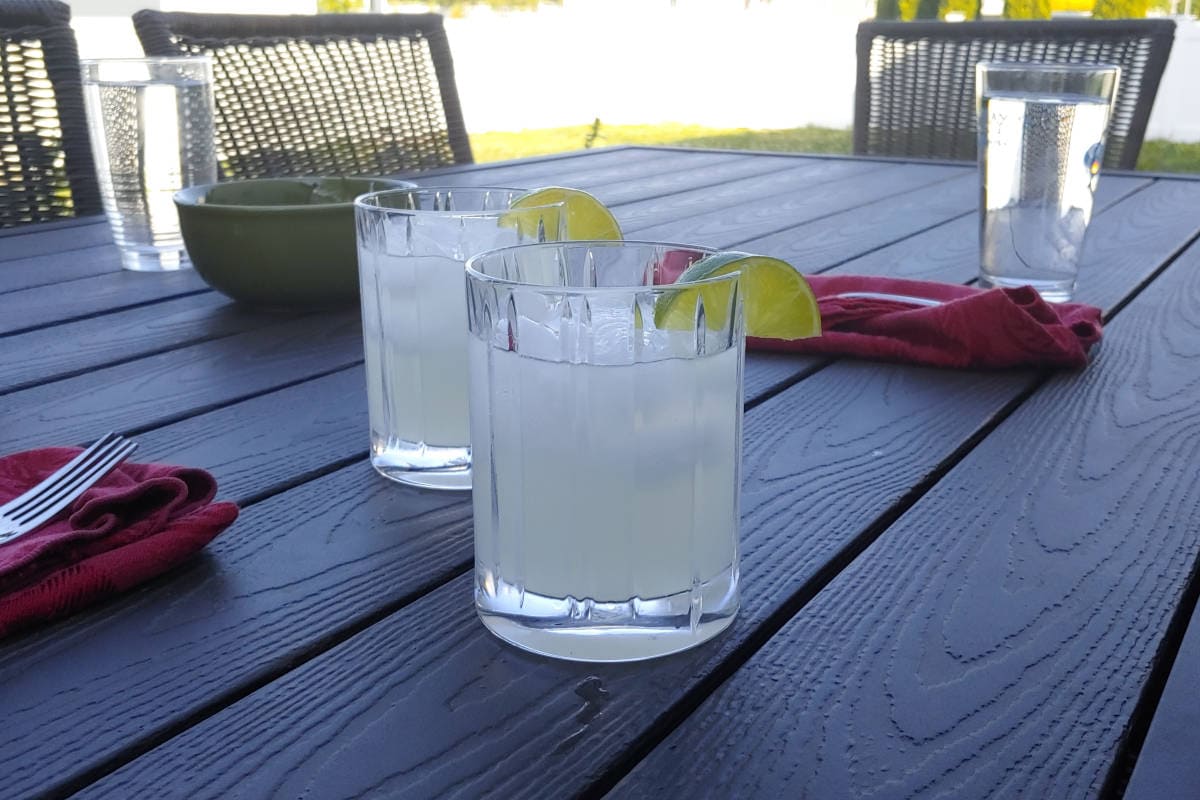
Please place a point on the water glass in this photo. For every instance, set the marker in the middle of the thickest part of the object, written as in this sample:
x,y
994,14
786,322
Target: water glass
x,y
151,126
606,415
412,245
1041,142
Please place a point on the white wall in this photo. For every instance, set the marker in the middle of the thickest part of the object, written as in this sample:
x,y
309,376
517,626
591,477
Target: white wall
x,y
1176,114
709,62
103,28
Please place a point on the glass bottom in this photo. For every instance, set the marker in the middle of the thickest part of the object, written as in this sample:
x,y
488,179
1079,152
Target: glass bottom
x,y
586,630
151,259
421,465
1052,291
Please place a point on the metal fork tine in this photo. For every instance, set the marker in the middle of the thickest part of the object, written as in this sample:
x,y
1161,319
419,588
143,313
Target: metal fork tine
x,y
69,490
97,471
50,490
63,472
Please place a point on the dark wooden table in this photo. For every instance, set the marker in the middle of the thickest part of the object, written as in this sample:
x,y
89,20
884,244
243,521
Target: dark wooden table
x,y
956,584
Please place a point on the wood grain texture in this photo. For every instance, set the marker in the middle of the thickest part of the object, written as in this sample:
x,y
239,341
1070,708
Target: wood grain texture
x,y
251,448
595,165
150,391
44,305
65,265
1167,766
588,172
411,702
994,641
48,353
745,210
452,712
184,635
291,571
37,239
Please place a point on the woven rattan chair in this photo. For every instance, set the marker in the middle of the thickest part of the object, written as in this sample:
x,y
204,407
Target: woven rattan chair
x,y
331,94
46,167
916,80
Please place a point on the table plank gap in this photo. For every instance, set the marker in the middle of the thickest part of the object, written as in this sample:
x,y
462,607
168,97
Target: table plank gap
x,y
1149,222
1156,758
936,613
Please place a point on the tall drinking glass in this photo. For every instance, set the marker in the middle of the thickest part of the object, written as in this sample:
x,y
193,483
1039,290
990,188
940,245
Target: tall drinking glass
x,y
412,244
606,416
1041,142
151,126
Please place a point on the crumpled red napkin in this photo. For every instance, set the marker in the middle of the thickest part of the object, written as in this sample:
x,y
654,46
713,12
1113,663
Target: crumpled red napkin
x,y
138,522
990,328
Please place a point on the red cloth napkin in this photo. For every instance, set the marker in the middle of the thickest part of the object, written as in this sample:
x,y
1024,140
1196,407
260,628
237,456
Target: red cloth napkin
x,y
138,522
973,328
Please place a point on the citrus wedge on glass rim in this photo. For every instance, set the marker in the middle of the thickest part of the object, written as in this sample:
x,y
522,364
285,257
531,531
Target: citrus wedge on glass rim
x,y
585,216
778,302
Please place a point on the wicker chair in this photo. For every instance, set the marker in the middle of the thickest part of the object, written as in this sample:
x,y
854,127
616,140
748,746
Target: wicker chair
x,y
332,94
916,80
46,167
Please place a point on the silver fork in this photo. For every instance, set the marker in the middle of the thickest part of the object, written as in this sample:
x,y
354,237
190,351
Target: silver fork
x,y
30,510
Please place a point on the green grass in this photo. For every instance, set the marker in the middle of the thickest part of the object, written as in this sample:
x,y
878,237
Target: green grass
x,y
1157,155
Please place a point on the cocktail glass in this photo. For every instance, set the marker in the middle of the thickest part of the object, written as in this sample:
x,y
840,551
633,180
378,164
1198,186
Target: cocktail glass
x,y
412,244
606,419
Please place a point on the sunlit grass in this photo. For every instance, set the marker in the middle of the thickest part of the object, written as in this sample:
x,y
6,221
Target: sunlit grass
x,y
1157,155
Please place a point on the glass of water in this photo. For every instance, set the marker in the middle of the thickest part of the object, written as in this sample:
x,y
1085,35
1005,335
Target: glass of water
x,y
1041,143
151,125
606,416
412,245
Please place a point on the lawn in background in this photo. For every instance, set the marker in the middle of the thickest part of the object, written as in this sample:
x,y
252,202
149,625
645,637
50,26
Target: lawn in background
x,y
1157,155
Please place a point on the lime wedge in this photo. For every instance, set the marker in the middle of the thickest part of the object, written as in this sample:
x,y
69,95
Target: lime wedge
x,y
586,217
779,303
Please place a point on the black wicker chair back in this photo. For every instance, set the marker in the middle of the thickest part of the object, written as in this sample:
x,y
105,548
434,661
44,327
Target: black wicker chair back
x,y
46,167
331,94
916,80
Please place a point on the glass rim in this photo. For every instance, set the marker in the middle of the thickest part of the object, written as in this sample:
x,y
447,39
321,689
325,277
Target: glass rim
x,y
593,291
363,201
1045,66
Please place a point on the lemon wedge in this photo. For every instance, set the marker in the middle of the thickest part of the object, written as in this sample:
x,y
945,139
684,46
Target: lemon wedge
x,y
586,217
779,303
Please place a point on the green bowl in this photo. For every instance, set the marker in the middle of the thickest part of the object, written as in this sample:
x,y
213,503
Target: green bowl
x,y
283,243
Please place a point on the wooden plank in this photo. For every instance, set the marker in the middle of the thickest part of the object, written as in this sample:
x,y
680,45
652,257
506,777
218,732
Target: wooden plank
x,y
35,240
150,391
1012,616
752,207
770,485
539,171
838,238
1167,766
49,352
947,252
67,264
408,704
632,165
44,305
89,251
72,347
292,571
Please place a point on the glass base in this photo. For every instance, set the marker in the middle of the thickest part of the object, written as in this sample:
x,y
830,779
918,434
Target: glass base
x,y
448,479
154,260
586,630
1052,291
422,465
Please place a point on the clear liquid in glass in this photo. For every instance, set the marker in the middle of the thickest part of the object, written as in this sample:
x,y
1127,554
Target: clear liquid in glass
x,y
1040,157
150,139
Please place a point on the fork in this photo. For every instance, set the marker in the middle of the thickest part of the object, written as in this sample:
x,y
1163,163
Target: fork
x,y
899,298
30,510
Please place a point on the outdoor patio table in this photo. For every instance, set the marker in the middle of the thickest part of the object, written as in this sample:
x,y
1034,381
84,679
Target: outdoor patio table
x,y
955,584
